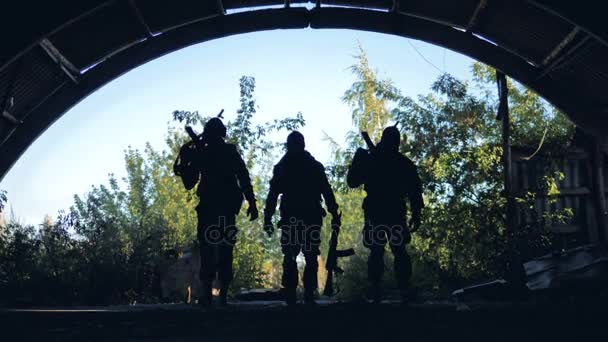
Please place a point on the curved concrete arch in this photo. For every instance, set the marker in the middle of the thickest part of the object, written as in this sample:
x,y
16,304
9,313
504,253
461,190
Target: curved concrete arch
x,y
587,112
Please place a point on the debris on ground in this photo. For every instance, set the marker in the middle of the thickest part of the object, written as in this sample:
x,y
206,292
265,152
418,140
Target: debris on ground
x,y
584,266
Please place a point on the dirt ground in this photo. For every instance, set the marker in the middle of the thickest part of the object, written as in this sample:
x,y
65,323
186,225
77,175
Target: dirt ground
x,y
273,321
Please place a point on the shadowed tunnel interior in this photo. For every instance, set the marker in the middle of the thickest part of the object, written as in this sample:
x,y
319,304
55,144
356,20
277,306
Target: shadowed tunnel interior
x,y
55,54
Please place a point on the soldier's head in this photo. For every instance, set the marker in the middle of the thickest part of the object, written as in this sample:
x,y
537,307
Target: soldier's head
x,y
391,137
215,129
295,142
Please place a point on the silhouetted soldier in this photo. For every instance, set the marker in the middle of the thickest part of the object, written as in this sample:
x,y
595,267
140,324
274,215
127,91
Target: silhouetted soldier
x,y
224,181
389,179
301,181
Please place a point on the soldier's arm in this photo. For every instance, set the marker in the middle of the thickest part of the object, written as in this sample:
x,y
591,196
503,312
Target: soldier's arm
x,y
273,196
328,193
242,175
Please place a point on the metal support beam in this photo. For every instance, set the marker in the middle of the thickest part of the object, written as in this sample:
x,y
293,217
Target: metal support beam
x,y
567,40
588,15
287,3
7,100
10,118
7,56
220,7
318,4
560,60
395,7
66,66
141,19
475,17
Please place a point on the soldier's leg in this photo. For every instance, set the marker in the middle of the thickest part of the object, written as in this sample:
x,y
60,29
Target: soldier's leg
x,y
226,247
311,252
375,241
375,264
290,249
403,263
207,270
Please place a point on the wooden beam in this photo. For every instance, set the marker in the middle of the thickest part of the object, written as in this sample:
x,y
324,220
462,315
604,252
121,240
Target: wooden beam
x,y
565,228
578,191
503,116
599,198
503,105
514,269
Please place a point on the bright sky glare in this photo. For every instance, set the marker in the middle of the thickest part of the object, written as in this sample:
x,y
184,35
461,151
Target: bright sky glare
x,y
295,70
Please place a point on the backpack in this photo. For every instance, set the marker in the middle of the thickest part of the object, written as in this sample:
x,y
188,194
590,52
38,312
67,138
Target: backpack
x,y
184,166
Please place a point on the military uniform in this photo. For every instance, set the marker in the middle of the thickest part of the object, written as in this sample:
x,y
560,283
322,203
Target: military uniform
x,y
389,179
224,182
301,181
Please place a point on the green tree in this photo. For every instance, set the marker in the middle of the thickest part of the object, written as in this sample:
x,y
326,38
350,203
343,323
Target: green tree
x,y
453,136
2,199
371,101
133,228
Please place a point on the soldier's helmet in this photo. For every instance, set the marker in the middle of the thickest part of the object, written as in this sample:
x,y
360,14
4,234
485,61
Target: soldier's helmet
x,y
214,128
391,137
295,142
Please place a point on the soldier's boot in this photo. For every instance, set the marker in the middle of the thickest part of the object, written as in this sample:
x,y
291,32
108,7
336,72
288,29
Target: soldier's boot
x,y
310,277
375,269
291,297
224,271
403,272
224,294
206,295
290,275
375,292
407,294
309,296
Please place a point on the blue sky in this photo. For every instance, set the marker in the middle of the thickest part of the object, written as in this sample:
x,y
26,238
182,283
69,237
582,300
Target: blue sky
x,y
295,70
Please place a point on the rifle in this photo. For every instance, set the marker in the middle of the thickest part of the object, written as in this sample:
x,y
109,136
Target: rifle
x,y
333,254
199,139
368,141
182,166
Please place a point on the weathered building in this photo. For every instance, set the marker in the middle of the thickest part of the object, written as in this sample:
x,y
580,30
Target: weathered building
x,y
578,173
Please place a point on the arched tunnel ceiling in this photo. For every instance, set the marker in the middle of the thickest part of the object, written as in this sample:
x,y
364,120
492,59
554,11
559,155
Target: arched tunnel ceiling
x,y
55,53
